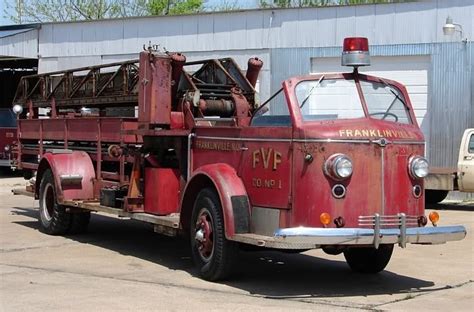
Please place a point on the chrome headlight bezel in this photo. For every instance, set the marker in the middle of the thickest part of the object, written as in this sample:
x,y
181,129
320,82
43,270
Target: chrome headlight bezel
x,y
418,167
338,167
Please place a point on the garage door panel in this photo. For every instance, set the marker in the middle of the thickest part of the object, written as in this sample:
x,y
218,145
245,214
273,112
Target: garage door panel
x,y
409,78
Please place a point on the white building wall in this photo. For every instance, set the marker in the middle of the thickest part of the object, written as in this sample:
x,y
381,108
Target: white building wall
x,y
23,44
399,23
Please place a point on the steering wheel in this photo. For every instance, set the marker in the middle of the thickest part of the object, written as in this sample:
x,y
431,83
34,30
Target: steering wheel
x,y
385,114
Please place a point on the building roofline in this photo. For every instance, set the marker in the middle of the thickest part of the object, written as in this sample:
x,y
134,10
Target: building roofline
x,y
38,25
21,26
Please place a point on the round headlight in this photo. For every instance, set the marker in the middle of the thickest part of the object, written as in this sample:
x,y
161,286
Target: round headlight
x,y
6,148
338,166
418,167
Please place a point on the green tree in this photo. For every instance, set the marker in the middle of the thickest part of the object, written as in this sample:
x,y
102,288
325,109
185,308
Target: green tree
x,y
173,7
34,11
314,3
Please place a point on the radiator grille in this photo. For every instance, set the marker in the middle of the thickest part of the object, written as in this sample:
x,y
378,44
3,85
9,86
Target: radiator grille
x,y
390,221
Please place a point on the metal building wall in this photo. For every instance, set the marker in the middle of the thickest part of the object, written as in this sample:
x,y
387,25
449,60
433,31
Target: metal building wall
x,y
22,44
450,87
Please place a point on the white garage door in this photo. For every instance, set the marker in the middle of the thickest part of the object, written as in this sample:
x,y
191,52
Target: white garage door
x,y
412,71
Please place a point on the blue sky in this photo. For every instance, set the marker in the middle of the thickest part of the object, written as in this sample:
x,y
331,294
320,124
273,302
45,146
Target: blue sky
x,y
208,3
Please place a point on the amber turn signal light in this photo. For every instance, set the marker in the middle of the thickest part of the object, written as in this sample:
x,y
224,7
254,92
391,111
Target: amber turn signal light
x,y
434,217
325,218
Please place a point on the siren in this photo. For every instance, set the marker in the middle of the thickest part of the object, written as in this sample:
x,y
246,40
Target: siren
x,y
355,52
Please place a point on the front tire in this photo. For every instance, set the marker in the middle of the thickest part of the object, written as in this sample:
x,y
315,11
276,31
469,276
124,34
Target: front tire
x,y
368,260
212,253
53,218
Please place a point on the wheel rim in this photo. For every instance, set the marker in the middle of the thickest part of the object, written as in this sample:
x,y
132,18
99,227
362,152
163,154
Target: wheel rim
x,y
204,235
48,202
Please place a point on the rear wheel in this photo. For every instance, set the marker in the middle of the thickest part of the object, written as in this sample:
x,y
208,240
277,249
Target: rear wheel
x,y
435,196
212,253
53,217
368,259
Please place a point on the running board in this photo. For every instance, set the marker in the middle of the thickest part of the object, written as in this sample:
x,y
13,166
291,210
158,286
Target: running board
x,y
167,225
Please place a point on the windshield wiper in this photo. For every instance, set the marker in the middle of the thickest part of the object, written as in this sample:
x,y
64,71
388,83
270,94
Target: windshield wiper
x,y
311,91
398,97
394,93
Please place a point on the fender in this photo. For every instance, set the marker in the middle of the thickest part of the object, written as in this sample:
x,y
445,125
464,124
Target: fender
x,y
73,174
231,190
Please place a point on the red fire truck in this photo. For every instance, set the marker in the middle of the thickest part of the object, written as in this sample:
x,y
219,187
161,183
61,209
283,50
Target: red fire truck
x,y
7,136
331,161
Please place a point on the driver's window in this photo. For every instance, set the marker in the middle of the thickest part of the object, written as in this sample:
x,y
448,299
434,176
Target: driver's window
x,y
275,113
385,102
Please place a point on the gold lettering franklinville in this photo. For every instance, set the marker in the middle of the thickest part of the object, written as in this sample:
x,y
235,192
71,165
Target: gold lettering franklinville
x,y
400,134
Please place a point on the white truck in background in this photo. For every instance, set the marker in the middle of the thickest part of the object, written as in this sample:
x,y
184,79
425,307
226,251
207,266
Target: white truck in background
x,y
442,180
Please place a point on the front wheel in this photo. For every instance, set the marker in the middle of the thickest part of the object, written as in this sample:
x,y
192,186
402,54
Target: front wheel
x,y
212,253
368,260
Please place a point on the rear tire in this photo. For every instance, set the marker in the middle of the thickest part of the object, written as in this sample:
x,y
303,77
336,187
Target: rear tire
x,y
368,260
212,253
53,218
435,196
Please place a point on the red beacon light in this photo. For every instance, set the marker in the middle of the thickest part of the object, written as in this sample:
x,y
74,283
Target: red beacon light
x,y
355,52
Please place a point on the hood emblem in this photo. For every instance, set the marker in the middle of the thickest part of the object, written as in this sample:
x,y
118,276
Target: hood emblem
x,y
382,142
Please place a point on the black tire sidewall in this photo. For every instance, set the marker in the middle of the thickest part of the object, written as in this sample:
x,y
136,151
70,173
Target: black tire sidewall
x,y
368,260
219,265
60,220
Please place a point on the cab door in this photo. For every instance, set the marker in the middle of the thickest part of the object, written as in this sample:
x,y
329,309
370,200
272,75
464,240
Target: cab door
x,y
267,158
466,162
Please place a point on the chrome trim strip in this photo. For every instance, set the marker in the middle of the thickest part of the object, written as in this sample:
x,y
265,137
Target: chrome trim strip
x,y
332,141
383,179
190,163
305,140
408,142
377,236
403,230
243,139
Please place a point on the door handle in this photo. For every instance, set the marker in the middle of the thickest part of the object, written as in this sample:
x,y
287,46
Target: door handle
x,y
467,157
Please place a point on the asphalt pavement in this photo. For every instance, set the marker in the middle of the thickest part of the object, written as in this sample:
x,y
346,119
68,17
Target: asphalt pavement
x,y
121,265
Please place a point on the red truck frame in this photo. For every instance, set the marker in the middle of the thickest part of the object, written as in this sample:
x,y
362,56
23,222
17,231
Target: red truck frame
x,y
331,161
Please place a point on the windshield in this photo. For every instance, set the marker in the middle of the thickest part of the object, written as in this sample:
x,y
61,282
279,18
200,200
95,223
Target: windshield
x,y
329,99
385,102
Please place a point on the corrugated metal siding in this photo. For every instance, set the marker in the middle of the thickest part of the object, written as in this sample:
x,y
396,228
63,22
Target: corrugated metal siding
x,y
450,100
24,44
396,23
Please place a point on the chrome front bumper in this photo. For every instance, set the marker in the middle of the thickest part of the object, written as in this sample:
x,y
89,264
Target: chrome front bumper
x,y
358,236
401,232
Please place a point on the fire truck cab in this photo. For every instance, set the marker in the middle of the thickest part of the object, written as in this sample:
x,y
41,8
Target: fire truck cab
x,y
331,161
